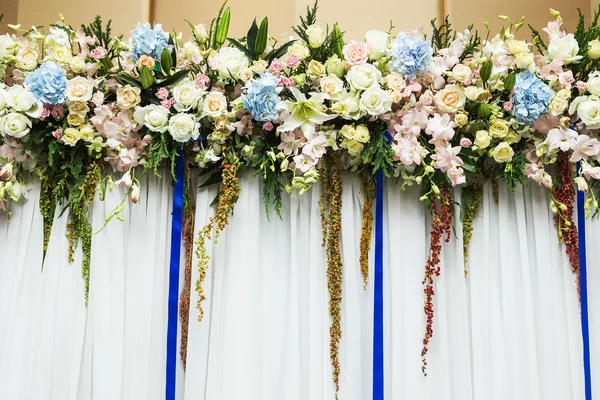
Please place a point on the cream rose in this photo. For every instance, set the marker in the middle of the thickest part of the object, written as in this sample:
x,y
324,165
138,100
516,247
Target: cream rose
x,y
335,66
145,61
482,139
378,42
354,147
128,97
524,60
375,101
183,127
588,110
27,58
187,95
15,124
475,93
564,48
395,81
594,49
461,73
215,104
230,62
503,153
363,77
316,36
62,55
332,85
315,69
154,117
498,129
348,132
200,33
77,64
362,133
87,133
70,136
75,119
347,107
517,46
80,89
78,107
593,84
259,66
558,105
461,120
20,99
298,49
450,99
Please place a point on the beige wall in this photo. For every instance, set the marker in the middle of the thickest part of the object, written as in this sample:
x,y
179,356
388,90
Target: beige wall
x,y
354,16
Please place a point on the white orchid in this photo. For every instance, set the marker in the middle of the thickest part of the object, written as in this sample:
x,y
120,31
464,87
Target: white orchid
x,y
304,113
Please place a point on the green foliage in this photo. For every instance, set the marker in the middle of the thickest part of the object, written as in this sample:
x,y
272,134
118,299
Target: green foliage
x,y
514,171
333,39
219,27
161,148
442,34
379,154
256,43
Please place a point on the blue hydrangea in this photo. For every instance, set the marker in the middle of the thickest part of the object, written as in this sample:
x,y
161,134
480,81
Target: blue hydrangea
x,y
148,41
48,83
411,55
530,98
262,97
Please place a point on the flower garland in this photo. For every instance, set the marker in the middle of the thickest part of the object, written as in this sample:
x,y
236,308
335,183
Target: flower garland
x,y
368,190
442,223
331,214
228,196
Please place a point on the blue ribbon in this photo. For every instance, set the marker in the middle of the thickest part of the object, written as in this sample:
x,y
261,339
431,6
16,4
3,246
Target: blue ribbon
x,y
178,190
583,293
378,296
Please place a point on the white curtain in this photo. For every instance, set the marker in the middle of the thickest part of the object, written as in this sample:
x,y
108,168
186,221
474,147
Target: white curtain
x,y
510,329
52,346
593,280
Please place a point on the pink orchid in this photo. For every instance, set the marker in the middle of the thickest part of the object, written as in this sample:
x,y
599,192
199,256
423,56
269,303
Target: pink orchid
x,y
304,163
408,151
561,138
290,144
441,128
590,172
584,147
456,175
466,143
413,122
316,147
244,125
447,157
125,182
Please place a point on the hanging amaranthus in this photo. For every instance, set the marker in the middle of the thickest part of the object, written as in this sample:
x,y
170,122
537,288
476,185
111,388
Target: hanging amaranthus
x,y
331,214
79,227
470,211
189,211
228,196
563,206
442,223
368,189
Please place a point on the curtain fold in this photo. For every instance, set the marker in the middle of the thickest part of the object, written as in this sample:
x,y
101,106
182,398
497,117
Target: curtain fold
x,y
509,329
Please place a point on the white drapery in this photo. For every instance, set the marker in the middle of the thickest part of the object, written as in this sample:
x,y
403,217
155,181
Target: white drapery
x,y
509,330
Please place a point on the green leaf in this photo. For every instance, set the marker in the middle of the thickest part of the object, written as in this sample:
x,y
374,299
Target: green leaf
x,y
337,41
251,38
509,82
146,77
261,39
166,62
126,79
468,166
213,179
277,53
173,79
241,48
486,71
215,201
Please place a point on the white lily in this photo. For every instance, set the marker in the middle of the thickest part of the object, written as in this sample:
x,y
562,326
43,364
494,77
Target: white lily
x,y
304,113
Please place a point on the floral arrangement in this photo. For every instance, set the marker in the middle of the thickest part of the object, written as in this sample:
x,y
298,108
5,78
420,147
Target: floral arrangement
x,y
80,106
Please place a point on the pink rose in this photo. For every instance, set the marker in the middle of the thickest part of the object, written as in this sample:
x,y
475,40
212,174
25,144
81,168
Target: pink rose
x,y
268,126
276,66
162,93
58,112
356,53
57,133
508,106
202,80
581,86
292,61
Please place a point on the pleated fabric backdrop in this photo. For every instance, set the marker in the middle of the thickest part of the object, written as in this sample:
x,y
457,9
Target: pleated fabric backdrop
x,y
510,329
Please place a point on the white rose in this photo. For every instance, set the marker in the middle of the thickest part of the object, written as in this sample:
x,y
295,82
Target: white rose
x,y
461,73
376,101
58,37
27,58
316,36
15,124
60,54
378,43
259,66
87,133
231,62
588,110
336,66
246,74
524,60
558,105
594,49
451,99
362,134
482,139
187,95
80,89
7,47
154,117
298,49
473,92
564,48
3,103
183,127
191,51
215,104
21,99
593,84
332,85
517,46
363,77
76,64
503,153
354,147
